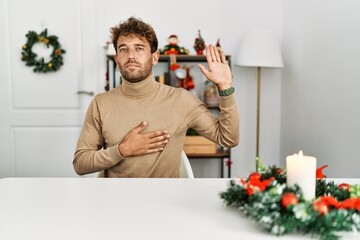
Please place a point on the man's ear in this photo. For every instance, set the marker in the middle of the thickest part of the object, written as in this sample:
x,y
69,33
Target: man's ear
x,y
155,57
115,58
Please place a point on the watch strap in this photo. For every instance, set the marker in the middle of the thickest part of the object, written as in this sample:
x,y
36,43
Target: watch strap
x,y
226,92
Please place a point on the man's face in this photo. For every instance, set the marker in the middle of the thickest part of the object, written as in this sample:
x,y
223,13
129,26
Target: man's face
x,y
134,58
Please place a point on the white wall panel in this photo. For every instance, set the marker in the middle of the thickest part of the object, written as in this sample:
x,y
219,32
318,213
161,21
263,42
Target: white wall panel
x,y
42,152
41,113
321,101
51,90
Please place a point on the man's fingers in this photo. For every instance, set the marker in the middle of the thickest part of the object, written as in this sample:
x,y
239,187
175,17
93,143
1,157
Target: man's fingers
x,y
215,53
136,143
222,54
158,145
203,69
160,138
154,150
140,127
156,134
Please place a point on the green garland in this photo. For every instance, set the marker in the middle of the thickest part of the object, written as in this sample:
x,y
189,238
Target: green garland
x,y
280,209
39,64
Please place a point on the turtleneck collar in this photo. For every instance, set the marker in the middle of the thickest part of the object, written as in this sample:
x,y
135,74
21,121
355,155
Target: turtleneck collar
x,y
140,88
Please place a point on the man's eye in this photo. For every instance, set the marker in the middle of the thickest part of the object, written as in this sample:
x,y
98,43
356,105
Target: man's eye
x,y
139,49
122,49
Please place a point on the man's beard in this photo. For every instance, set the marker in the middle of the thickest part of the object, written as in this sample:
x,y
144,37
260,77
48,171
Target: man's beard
x,y
138,75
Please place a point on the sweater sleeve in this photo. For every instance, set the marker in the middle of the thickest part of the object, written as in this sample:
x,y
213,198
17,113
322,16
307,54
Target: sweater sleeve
x,y
222,129
90,155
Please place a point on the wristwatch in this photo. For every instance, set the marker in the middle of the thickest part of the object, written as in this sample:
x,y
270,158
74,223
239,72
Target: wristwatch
x,y
226,92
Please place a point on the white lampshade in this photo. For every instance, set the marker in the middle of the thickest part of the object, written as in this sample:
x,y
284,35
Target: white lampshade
x,y
260,48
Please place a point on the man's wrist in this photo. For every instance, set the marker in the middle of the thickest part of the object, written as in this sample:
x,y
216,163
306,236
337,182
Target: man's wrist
x,y
226,92
122,150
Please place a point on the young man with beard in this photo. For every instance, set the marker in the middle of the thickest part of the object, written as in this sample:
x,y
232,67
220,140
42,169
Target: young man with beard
x,y
138,129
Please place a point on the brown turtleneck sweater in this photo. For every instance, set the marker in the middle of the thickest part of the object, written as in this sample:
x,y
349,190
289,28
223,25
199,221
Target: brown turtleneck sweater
x,y
113,114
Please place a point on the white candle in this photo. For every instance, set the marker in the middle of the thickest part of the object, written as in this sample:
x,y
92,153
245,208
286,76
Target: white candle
x,y
301,170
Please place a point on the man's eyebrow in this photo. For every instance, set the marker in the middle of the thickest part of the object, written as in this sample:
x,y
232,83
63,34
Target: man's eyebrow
x,y
140,44
121,45
136,44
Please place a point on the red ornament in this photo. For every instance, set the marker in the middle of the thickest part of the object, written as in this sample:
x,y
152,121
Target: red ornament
x,y
321,207
228,163
330,201
254,177
175,66
255,184
199,44
188,82
289,199
344,186
350,203
200,52
357,205
280,171
319,173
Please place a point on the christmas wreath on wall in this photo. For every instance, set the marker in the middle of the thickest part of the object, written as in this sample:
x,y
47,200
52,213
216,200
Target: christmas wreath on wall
x,y
31,59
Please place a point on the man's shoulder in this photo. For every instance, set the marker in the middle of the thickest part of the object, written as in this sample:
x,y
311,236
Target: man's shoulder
x,y
103,96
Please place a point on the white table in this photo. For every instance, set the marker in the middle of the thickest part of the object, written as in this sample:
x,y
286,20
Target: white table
x,y
95,208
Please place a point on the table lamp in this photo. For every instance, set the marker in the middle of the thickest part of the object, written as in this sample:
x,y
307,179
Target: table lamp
x,y
259,48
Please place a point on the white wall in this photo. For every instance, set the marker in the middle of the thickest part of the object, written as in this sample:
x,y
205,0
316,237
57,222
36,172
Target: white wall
x,y
242,16
42,114
321,83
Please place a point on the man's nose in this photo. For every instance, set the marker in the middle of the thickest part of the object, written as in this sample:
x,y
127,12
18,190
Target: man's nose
x,y
131,54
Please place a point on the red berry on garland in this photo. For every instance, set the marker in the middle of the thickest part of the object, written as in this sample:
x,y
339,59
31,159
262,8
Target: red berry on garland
x,y
330,201
349,203
280,171
289,199
357,205
254,177
344,186
321,206
57,51
256,184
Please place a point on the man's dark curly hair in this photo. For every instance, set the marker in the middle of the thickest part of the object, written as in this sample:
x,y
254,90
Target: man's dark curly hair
x,y
135,26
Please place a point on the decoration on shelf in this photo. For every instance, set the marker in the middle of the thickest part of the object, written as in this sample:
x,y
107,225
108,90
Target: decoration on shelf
x,y
110,50
173,47
173,63
281,209
218,44
107,83
211,96
228,162
186,80
39,64
199,44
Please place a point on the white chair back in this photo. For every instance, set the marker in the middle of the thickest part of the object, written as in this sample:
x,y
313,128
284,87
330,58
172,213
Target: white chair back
x,y
100,174
185,167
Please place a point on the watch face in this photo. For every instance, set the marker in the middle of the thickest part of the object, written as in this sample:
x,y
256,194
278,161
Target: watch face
x,y
180,73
